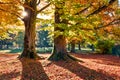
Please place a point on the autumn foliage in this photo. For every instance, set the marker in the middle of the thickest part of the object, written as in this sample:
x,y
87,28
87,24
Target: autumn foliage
x,y
92,67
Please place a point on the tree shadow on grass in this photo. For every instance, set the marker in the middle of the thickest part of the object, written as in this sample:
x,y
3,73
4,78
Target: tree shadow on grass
x,y
33,70
83,72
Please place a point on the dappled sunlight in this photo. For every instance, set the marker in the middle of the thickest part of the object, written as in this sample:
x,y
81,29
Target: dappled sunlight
x,y
24,14
41,16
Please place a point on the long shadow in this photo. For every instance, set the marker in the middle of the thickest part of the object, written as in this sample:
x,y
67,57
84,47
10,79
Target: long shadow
x,y
9,76
33,70
101,59
83,72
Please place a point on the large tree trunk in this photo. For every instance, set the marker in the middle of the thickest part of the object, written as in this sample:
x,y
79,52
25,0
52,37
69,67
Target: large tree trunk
x,y
29,38
60,50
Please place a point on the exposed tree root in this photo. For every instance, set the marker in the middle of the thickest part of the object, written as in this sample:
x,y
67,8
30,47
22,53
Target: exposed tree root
x,y
64,57
31,56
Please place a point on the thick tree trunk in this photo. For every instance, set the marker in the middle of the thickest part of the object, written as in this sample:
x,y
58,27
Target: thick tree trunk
x,y
60,50
29,38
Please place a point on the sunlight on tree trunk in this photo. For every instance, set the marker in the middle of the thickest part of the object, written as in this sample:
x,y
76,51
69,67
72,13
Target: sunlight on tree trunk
x,y
60,50
29,38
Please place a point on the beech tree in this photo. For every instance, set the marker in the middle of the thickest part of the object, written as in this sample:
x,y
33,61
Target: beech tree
x,y
74,16
29,19
59,51
30,6
71,17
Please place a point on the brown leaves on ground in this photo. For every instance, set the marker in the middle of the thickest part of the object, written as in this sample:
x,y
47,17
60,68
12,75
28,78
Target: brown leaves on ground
x,y
93,67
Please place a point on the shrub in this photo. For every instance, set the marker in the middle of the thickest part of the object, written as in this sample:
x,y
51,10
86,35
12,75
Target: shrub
x,y
116,50
105,46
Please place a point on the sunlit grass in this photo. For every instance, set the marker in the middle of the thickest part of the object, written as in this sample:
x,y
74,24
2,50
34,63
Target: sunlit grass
x,y
39,50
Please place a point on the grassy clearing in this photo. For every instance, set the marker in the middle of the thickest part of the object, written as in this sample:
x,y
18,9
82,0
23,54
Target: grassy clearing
x,y
39,50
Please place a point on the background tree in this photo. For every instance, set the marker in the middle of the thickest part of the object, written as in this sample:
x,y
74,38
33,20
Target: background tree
x,y
43,39
19,39
29,19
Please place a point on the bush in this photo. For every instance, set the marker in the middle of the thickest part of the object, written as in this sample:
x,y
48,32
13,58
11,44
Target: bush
x,y
105,46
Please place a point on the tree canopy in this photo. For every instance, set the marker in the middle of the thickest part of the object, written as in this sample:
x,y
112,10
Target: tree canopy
x,y
75,20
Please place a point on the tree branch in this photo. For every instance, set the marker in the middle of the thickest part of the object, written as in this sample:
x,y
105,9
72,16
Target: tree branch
x,y
38,2
11,13
83,10
115,21
101,8
6,3
43,8
118,35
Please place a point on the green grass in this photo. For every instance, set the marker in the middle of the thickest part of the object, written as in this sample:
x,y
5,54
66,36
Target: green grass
x,y
11,51
16,51
39,50
44,50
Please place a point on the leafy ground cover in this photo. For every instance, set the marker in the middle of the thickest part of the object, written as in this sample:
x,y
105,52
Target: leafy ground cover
x,y
92,67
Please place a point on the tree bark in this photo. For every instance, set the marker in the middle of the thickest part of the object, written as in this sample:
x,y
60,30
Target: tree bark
x,y
79,47
30,33
72,47
60,50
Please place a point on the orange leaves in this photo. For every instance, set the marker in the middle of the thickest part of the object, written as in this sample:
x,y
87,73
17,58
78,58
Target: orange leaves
x,y
81,1
108,67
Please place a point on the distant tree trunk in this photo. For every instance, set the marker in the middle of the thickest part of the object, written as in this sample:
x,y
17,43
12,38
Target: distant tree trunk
x,y
7,46
29,38
72,47
0,44
69,46
79,47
